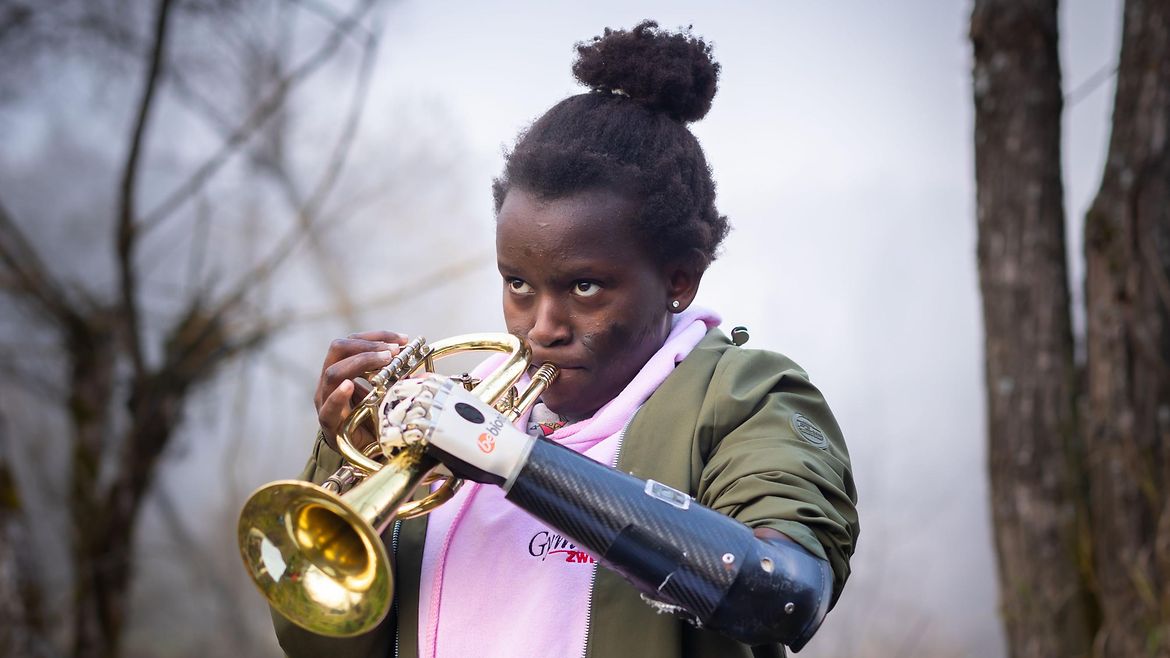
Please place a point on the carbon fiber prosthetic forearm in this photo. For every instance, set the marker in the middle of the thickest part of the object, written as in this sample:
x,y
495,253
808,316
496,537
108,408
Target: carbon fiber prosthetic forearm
x,y
684,558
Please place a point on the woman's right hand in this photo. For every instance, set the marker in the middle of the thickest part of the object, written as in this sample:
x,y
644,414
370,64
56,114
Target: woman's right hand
x,y
347,358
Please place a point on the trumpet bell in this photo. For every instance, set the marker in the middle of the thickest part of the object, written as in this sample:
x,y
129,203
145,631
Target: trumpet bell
x,y
318,556
317,561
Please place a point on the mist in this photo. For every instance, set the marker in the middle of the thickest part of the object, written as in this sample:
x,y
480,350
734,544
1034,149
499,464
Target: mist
x,y
840,139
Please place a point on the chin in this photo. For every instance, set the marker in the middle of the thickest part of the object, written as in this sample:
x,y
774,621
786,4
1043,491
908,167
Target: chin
x,y
565,403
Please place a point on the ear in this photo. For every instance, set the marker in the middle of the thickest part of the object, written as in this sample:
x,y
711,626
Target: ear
x,y
682,280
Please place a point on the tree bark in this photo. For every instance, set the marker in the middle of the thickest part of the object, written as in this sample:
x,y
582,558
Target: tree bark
x,y
1127,250
92,355
104,533
1029,360
105,542
23,628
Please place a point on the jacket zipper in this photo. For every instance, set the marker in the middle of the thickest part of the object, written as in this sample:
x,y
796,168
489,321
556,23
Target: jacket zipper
x,y
593,578
394,550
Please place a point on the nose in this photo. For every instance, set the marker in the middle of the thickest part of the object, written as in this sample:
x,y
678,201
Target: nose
x,y
550,325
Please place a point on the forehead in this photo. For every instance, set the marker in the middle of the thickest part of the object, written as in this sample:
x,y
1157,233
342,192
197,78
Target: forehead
x,y
588,226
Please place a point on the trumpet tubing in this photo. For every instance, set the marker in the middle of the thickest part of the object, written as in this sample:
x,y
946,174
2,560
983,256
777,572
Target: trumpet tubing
x,y
316,553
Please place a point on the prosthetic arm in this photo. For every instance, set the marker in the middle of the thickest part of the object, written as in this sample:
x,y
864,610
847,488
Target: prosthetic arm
x,y
682,557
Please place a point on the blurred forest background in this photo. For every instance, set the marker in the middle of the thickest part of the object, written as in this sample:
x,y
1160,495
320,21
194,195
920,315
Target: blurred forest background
x,y
196,196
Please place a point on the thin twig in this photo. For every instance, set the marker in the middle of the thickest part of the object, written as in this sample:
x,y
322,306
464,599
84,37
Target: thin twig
x,y
324,12
263,111
339,157
308,213
277,170
409,291
186,543
348,132
200,233
1090,84
187,92
33,280
287,368
33,380
240,437
126,229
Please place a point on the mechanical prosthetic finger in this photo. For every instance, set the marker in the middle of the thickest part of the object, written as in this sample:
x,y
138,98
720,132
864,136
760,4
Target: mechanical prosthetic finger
x,y
683,557
404,404
473,440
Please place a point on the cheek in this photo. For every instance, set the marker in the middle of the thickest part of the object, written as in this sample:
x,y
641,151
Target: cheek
x,y
516,319
620,340
606,340
649,332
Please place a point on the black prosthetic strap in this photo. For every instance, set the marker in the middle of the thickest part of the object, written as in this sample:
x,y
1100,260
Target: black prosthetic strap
x,y
684,557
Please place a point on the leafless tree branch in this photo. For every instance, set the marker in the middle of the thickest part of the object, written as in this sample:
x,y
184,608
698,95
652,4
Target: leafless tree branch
x,y
309,211
201,231
126,228
32,379
263,111
32,280
306,211
267,163
239,435
405,292
324,11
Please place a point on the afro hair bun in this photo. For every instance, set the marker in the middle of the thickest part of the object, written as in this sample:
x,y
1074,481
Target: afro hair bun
x,y
669,72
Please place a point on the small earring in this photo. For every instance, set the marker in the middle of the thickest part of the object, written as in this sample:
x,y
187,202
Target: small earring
x,y
675,304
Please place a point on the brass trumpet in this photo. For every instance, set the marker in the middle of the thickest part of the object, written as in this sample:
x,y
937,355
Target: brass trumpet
x,y
316,552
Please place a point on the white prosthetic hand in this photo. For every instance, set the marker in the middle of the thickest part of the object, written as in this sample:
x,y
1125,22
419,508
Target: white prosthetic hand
x,y
472,439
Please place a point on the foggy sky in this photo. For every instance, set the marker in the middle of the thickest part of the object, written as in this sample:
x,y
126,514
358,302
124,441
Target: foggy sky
x,y
840,140
841,143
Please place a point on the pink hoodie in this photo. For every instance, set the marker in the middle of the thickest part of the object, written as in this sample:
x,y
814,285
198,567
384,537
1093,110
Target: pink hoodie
x,y
496,581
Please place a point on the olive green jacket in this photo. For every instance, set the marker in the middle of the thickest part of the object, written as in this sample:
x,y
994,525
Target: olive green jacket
x,y
743,431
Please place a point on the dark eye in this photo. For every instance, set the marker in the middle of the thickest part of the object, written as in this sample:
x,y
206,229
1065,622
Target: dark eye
x,y
519,286
586,288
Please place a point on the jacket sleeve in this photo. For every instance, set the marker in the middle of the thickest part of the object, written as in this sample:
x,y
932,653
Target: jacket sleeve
x,y
322,462
296,641
775,456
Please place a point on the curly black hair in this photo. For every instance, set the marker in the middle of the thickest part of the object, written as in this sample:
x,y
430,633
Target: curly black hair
x,y
629,133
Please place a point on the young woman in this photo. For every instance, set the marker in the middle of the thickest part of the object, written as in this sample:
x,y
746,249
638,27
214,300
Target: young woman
x,y
606,222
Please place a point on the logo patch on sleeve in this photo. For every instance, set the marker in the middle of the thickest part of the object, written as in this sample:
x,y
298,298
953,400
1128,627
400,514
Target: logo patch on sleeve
x,y
809,430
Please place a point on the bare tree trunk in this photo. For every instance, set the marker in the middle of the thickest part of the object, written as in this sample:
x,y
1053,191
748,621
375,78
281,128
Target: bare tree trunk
x,y
23,629
118,440
92,357
1030,369
1127,249
105,542
104,534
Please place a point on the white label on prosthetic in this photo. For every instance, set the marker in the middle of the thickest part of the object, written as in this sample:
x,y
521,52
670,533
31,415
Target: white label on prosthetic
x,y
667,495
472,431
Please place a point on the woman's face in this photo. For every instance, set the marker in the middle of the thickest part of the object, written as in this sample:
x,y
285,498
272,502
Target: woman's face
x,y
579,287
